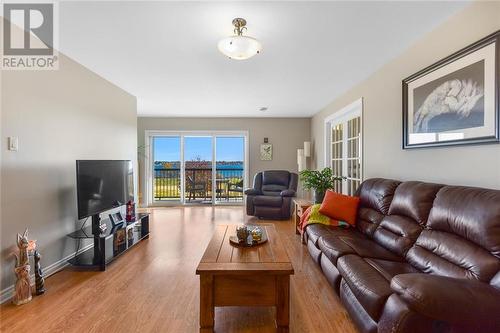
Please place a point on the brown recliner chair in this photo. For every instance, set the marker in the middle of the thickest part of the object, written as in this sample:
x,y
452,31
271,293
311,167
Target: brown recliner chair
x,y
423,258
271,195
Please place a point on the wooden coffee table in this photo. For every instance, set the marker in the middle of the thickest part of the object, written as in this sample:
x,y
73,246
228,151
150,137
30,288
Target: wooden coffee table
x,y
238,276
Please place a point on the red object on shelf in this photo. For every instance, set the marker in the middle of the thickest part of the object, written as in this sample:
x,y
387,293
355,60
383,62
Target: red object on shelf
x,y
130,213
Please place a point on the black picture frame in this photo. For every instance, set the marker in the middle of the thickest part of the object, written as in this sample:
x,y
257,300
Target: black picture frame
x,y
116,219
495,138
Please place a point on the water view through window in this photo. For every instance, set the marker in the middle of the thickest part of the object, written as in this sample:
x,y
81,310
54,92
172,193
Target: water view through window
x,y
194,158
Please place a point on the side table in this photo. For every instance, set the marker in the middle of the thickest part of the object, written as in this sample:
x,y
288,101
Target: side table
x,y
299,207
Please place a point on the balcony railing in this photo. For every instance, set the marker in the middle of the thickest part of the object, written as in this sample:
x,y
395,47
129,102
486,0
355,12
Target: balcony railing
x,y
198,184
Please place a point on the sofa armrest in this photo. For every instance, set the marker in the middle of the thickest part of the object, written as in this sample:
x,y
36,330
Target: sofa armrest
x,y
252,191
459,301
287,193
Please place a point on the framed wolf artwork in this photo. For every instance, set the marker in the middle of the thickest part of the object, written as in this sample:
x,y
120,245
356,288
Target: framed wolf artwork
x,y
456,100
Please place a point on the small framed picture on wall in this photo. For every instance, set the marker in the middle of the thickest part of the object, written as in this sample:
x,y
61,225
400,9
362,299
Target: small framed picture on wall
x,y
266,152
456,100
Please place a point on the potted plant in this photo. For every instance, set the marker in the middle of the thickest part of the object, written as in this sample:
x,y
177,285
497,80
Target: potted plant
x,y
319,181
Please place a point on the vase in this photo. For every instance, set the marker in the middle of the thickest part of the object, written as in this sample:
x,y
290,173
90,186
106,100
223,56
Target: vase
x,y
318,196
242,233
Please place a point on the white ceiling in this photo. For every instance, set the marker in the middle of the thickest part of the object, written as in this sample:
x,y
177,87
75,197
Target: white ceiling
x,y
165,53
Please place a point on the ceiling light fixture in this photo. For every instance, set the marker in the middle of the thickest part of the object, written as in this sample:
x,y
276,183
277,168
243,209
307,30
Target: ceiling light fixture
x,y
239,47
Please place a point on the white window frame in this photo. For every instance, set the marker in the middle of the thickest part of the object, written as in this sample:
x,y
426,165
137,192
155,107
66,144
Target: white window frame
x,y
353,110
148,165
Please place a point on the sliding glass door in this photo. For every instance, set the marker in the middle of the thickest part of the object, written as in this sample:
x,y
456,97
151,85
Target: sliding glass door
x,y
197,167
229,175
198,162
166,175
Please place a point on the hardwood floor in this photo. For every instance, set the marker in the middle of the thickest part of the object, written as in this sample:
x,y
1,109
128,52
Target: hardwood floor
x,y
153,288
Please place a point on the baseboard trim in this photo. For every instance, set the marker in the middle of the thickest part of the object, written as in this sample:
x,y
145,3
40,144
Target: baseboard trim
x,y
8,292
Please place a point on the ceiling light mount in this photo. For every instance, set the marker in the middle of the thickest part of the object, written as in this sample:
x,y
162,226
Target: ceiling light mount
x,y
239,47
239,26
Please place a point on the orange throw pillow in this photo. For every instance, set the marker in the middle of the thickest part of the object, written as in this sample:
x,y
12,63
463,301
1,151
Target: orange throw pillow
x,y
340,207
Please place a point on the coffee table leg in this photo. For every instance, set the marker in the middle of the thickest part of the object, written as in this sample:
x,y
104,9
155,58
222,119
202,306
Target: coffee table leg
x,y
283,301
206,301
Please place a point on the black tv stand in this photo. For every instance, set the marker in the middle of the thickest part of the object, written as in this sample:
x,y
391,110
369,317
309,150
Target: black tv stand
x,y
108,244
96,224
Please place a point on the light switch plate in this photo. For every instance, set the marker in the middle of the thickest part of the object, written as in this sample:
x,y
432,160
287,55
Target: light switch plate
x,y
13,143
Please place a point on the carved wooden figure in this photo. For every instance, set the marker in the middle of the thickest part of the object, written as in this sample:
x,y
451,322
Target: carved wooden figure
x,y
22,244
39,280
22,290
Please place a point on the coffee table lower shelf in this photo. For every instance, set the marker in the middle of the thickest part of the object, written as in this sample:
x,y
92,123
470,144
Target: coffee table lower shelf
x,y
244,290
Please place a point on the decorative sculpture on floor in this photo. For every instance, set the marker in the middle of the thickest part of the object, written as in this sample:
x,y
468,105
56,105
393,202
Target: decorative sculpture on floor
x,y
22,292
39,280
23,243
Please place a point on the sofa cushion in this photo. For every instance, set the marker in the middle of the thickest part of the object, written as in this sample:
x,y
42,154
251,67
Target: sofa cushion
x,y
408,214
315,231
389,269
375,198
276,177
397,233
414,200
334,247
369,287
377,193
442,253
471,213
340,207
273,189
345,232
369,280
368,219
265,200
463,239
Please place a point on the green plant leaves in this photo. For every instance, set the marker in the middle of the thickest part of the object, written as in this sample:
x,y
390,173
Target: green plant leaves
x,y
319,180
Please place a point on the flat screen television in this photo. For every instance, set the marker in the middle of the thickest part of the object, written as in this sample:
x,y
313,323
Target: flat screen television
x,y
103,185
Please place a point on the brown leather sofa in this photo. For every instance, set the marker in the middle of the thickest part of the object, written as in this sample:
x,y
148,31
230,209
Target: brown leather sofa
x,y
272,193
422,258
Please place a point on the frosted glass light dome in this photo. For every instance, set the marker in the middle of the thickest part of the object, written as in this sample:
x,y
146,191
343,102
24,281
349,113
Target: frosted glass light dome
x,y
239,47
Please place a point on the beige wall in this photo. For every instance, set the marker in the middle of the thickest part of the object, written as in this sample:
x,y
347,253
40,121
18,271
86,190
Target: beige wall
x,y
285,134
381,92
1,168
59,116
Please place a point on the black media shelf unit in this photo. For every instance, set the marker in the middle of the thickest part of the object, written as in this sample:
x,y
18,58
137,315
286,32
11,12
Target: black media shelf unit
x,y
111,243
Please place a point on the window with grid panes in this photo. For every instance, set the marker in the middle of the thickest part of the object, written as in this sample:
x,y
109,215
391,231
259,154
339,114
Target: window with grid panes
x,y
345,149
